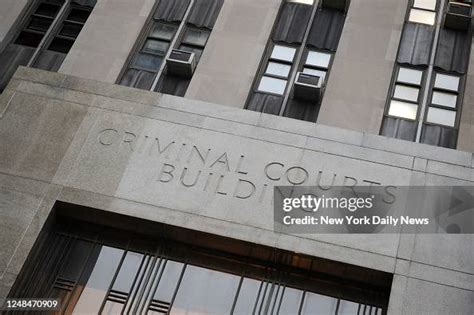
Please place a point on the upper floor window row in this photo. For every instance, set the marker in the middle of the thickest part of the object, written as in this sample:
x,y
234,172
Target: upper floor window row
x,y
46,36
425,97
172,44
295,67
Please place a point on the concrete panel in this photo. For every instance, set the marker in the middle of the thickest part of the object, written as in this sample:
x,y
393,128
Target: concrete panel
x,y
413,296
33,139
234,50
16,212
466,128
211,168
438,275
360,77
10,13
106,40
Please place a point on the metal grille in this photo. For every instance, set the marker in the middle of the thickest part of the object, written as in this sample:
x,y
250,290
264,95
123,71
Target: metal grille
x,y
93,270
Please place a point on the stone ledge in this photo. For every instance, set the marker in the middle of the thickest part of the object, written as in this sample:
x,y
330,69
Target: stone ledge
x,y
324,249
281,124
420,150
435,274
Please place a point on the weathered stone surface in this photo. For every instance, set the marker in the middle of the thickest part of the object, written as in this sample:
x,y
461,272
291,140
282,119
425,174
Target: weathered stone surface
x,y
203,166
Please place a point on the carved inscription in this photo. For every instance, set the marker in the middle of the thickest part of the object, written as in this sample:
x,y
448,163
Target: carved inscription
x,y
194,166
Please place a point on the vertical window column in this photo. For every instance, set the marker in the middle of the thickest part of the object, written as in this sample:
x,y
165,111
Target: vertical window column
x,y
310,36
278,63
321,45
147,61
275,77
177,34
45,37
404,103
433,117
149,56
406,93
190,47
24,45
63,37
445,99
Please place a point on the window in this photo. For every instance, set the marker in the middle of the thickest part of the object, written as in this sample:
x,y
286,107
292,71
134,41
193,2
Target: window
x,y
70,29
317,63
103,270
196,32
275,77
406,93
423,12
39,23
194,40
147,61
46,36
147,68
444,99
296,45
430,117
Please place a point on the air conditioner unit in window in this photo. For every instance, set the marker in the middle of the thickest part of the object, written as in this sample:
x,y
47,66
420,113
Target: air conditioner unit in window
x,y
458,15
181,63
341,5
307,87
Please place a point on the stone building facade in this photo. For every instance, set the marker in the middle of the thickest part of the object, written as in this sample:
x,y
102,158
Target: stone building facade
x,y
86,161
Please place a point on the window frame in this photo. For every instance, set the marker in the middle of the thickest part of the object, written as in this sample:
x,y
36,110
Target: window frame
x,y
182,42
55,32
164,247
304,63
28,17
149,53
413,7
394,82
139,47
262,71
459,99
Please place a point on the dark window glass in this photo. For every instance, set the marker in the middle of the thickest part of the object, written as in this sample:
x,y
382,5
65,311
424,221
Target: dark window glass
x,y
138,78
197,51
150,57
39,24
71,29
149,62
194,36
163,31
157,47
76,260
78,15
29,39
439,135
47,9
89,274
62,45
